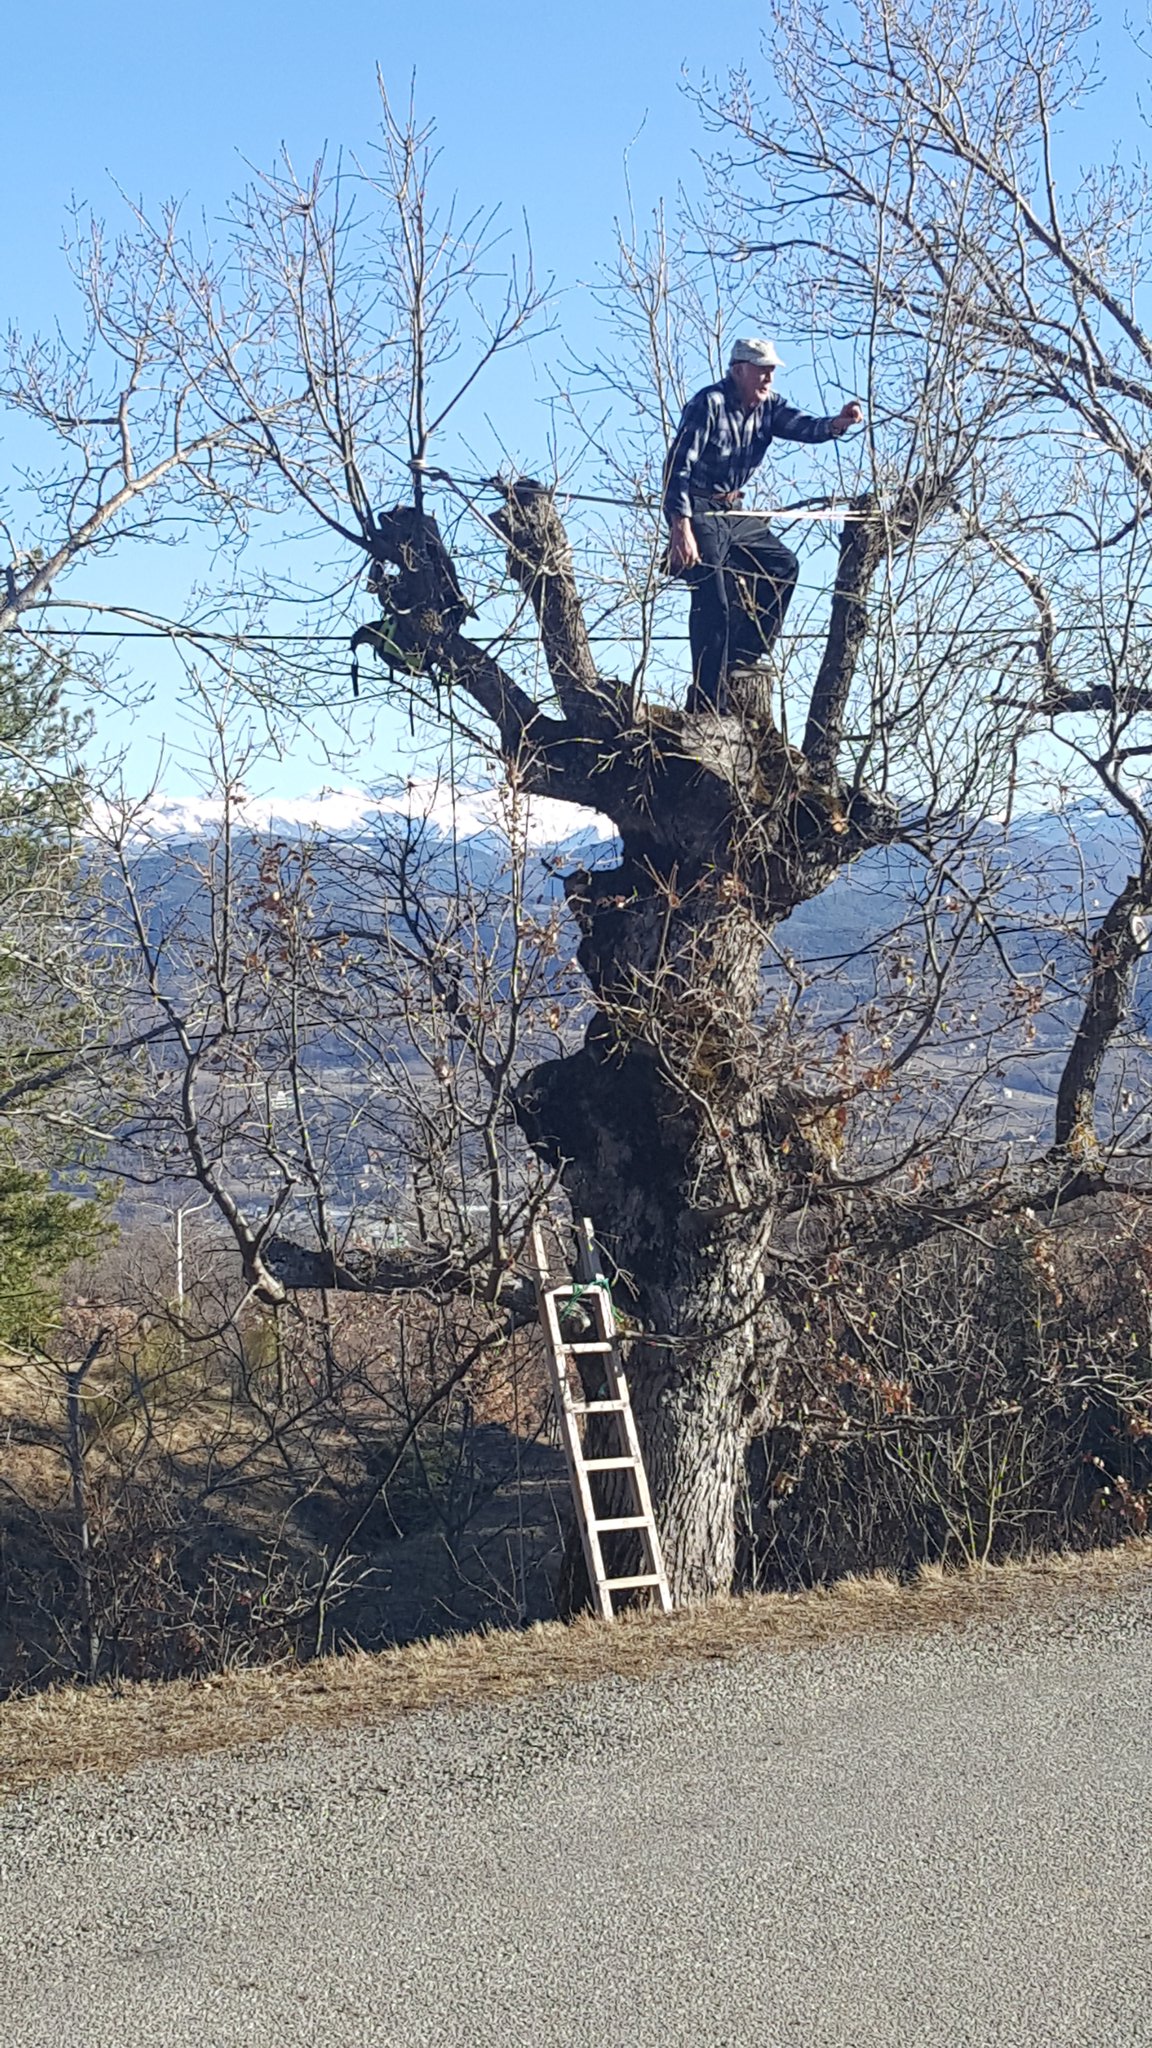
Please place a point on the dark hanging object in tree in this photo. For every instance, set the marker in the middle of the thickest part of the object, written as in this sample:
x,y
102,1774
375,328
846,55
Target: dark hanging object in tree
x,y
422,604
379,636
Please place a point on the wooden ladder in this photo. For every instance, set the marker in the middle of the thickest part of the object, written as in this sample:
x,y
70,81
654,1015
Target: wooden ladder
x,y
591,1290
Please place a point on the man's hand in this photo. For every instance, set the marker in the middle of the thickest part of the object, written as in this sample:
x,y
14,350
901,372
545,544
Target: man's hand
x,y
683,552
850,415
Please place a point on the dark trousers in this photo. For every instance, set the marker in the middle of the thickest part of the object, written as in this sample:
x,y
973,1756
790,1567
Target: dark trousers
x,y
740,594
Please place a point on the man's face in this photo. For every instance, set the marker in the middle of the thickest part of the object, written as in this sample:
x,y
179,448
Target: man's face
x,y
752,383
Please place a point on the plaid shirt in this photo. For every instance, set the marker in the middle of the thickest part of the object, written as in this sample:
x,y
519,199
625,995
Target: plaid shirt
x,y
718,445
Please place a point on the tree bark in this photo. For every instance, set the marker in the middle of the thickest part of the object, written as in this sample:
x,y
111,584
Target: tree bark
x,y
1120,942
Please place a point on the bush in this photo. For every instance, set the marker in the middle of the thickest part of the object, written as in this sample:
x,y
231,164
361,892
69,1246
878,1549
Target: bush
x,y
979,1401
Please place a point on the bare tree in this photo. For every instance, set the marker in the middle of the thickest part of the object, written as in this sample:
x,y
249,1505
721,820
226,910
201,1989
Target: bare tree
x,y
677,1125
330,1029
325,1039
728,1133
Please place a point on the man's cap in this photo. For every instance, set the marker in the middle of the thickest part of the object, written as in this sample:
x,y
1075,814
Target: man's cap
x,y
762,352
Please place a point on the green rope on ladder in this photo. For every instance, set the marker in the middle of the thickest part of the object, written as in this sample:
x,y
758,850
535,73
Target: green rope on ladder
x,y
577,1292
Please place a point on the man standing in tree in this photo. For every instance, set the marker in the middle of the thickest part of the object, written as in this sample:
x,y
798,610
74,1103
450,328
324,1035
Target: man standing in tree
x,y
722,437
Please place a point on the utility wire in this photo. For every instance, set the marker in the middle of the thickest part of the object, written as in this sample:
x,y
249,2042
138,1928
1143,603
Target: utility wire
x,y
1024,634
804,508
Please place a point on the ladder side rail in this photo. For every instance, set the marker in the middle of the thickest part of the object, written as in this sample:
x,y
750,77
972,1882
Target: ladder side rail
x,y
570,1433
589,1264
644,1497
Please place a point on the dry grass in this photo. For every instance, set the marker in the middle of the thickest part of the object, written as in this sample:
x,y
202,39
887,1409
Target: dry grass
x,y
107,1729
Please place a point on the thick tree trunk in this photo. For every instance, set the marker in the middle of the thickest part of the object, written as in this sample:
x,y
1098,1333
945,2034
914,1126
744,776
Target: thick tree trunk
x,y
699,1378
663,1135
695,1432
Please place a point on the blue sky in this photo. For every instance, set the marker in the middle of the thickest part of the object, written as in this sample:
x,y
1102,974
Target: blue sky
x,y
536,109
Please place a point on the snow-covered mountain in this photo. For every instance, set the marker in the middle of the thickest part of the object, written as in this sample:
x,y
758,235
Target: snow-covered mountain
x,y
346,812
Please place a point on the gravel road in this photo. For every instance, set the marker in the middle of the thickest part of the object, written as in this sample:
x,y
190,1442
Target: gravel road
x,y
943,1841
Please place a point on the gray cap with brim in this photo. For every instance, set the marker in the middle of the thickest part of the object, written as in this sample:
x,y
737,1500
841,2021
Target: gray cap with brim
x,y
762,352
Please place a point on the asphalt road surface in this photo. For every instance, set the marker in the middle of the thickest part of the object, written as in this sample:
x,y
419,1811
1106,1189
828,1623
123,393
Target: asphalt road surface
x,y
940,1842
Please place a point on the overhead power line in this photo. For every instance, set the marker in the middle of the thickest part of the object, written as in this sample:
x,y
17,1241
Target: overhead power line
x,y
1021,635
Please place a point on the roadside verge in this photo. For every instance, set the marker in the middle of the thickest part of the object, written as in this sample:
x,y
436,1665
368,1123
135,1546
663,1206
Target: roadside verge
x,y
109,1728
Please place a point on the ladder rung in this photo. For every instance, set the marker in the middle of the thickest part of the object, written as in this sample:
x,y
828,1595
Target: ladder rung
x,y
609,1464
623,1522
582,1348
642,1579
597,1407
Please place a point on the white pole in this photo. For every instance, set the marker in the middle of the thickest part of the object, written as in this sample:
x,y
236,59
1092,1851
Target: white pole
x,y
184,1209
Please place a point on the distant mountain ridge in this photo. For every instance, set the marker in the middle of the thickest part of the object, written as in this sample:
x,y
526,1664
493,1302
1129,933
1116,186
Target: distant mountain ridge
x,y
1054,873
1058,864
